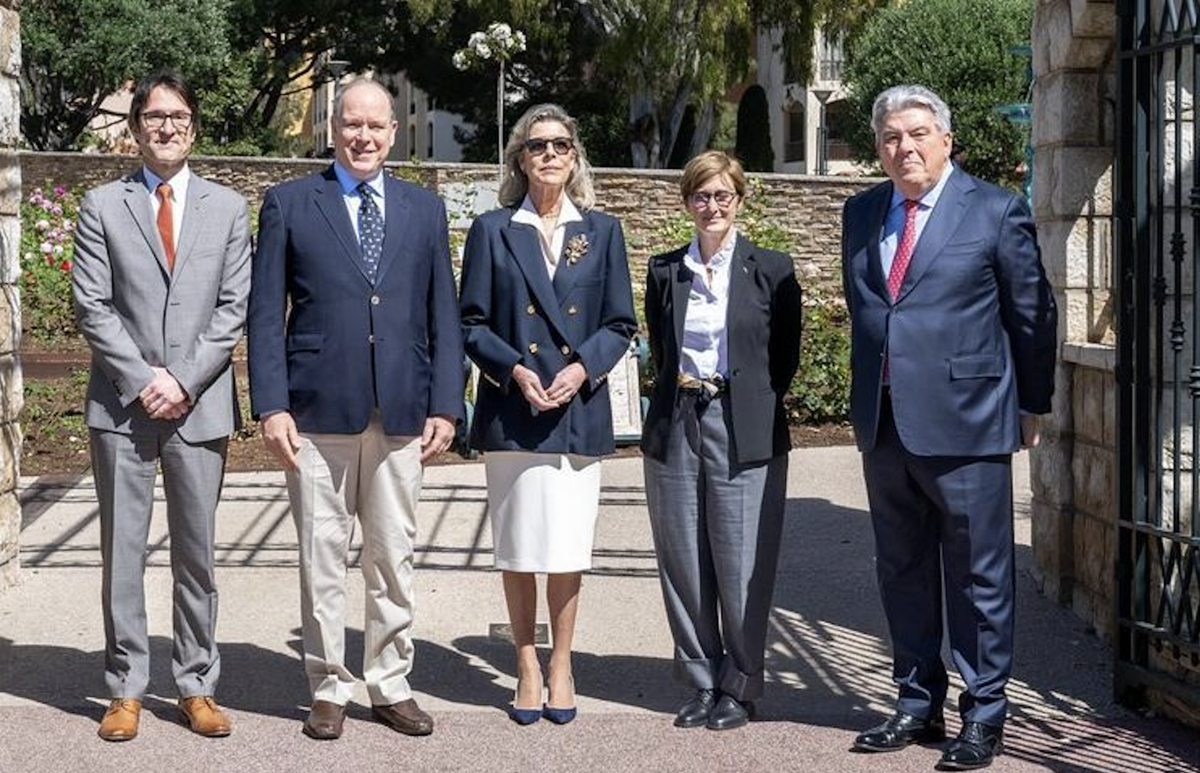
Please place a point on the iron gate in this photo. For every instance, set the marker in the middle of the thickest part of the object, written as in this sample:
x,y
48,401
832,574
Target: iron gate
x,y
1157,289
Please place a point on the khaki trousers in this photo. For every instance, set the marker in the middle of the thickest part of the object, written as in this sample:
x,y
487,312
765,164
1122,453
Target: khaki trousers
x,y
376,478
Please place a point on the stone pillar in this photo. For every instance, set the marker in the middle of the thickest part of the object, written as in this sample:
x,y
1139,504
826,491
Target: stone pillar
x,y
11,389
1073,470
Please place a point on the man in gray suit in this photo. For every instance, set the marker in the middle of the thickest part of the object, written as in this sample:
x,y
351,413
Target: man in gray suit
x,y
161,280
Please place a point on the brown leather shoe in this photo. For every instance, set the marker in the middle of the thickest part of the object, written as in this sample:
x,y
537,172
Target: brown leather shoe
x,y
325,720
404,717
120,722
202,714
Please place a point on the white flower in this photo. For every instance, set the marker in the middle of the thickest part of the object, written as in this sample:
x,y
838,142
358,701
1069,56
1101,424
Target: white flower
x,y
46,247
518,41
58,250
476,39
499,31
460,60
483,51
29,256
42,225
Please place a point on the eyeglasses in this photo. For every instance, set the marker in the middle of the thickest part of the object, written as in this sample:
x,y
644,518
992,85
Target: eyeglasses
x,y
562,145
373,129
155,121
702,199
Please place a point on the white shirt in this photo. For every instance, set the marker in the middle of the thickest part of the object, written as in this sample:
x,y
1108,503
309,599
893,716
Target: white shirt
x,y
552,249
704,351
179,188
351,196
893,224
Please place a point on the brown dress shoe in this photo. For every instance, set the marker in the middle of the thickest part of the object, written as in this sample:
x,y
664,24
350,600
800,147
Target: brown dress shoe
x,y
404,717
325,720
202,714
120,722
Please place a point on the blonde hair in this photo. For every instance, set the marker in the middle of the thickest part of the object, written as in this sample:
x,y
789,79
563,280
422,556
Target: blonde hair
x,y
515,184
708,165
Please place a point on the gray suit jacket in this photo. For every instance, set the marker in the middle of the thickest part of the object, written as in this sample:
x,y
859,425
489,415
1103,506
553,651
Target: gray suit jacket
x,y
135,315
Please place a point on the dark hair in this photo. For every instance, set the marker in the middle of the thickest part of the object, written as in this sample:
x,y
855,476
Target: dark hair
x,y
168,79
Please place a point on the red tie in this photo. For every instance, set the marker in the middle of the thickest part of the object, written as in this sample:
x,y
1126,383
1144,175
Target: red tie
x,y
166,224
904,250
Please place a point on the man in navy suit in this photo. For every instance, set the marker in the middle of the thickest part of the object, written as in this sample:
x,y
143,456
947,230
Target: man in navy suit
x,y
356,374
953,346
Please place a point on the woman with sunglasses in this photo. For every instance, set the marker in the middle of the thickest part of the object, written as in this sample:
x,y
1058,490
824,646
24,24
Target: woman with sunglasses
x,y
547,311
724,322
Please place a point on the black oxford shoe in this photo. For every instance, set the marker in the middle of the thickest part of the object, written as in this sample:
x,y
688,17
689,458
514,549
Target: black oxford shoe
x,y
899,731
730,713
976,746
695,712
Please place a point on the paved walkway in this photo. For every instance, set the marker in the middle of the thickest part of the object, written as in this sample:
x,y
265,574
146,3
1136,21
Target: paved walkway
x,y
828,661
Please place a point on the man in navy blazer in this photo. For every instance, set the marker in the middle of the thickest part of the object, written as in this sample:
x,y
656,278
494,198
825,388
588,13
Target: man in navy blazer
x,y
953,347
356,374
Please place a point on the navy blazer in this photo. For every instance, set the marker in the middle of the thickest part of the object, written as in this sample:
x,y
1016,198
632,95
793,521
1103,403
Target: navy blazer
x,y
512,312
971,339
763,325
326,344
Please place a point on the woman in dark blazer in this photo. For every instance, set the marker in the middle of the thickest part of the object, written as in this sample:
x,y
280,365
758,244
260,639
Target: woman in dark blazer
x,y
724,320
547,311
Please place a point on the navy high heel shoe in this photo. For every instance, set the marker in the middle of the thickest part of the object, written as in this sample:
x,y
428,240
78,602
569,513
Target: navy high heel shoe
x,y
560,716
523,716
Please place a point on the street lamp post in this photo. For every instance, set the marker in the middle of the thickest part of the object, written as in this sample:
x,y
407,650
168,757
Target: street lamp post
x,y
822,96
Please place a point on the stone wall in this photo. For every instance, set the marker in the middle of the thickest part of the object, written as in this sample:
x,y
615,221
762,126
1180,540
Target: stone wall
x,y
808,208
11,389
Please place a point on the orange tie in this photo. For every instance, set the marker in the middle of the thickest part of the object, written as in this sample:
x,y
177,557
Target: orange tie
x,y
166,224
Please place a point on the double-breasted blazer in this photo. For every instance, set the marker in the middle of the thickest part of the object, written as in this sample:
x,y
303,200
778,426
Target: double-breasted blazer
x,y
513,312
137,315
972,335
763,324
328,345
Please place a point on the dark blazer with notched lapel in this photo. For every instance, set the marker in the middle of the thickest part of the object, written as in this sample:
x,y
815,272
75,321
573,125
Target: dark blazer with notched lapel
x,y
970,339
512,312
763,324
349,346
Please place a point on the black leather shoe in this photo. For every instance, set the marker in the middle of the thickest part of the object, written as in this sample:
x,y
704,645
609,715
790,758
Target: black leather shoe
x,y
730,713
899,731
695,712
976,746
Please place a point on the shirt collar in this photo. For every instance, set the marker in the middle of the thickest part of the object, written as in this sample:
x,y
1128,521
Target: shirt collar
x,y
930,199
178,182
528,214
719,260
350,183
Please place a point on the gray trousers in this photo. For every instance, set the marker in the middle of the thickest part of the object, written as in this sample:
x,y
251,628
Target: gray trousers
x,y
716,528
125,467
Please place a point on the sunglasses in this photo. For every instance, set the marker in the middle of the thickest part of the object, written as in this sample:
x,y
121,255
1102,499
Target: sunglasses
x,y
562,145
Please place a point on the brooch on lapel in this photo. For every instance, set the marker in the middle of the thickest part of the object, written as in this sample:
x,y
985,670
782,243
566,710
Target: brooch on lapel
x,y
577,247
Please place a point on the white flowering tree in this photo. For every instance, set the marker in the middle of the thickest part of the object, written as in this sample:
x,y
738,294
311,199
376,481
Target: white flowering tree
x,y
498,43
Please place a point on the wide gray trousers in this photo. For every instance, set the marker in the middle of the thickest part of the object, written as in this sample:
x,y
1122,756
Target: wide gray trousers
x,y
126,467
716,528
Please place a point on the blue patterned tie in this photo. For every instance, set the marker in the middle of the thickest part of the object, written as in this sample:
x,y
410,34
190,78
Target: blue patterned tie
x,y
370,231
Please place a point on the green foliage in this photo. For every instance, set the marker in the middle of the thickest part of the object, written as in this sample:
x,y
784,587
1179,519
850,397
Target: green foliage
x,y
754,131
820,391
48,219
958,48
77,52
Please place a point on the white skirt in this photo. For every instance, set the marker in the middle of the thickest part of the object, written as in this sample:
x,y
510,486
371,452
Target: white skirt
x,y
543,510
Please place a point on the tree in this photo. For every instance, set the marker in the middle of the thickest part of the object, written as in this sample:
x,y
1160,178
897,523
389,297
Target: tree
x,y
959,49
77,52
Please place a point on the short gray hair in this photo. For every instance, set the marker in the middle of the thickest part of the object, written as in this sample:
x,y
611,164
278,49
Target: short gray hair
x,y
579,188
906,96
339,96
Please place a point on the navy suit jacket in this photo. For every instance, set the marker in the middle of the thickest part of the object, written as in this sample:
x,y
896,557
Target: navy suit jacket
x,y
512,312
326,344
972,336
763,325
